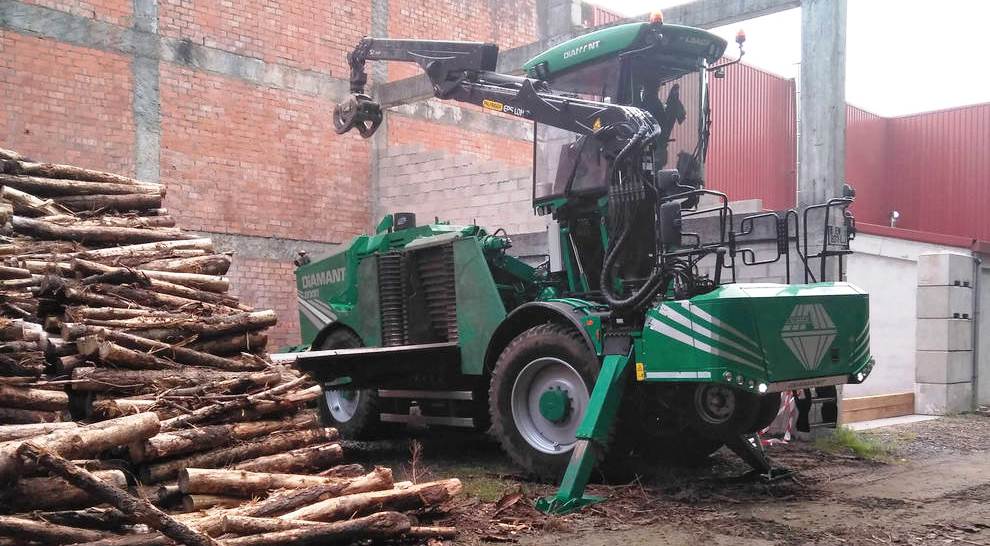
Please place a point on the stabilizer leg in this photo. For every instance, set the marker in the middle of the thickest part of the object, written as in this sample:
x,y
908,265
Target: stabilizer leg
x,y
750,449
593,435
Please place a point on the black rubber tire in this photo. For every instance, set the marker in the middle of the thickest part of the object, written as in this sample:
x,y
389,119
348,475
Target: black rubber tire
x,y
769,407
365,423
742,420
553,340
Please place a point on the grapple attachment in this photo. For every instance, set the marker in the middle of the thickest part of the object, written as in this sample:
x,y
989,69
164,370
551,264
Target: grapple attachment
x,y
359,112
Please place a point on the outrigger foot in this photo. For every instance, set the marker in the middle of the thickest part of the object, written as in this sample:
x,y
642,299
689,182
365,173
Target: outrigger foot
x,y
750,449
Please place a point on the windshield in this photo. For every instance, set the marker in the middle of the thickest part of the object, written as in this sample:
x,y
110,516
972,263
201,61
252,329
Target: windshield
x,y
679,106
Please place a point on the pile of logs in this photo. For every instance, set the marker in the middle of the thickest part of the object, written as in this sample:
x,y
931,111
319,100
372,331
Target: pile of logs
x,y
134,386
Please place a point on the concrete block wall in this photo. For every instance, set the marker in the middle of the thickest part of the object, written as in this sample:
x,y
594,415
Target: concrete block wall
x,y
945,356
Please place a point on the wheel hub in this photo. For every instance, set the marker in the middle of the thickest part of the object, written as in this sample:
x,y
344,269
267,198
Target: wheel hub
x,y
555,405
342,403
715,403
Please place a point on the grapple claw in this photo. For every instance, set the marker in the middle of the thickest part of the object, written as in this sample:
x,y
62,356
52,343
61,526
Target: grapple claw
x,y
359,112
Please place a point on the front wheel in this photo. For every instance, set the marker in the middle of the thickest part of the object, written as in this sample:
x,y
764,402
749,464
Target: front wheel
x,y
539,392
353,412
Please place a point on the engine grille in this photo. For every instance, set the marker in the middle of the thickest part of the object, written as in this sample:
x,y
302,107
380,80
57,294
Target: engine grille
x,y
392,298
435,267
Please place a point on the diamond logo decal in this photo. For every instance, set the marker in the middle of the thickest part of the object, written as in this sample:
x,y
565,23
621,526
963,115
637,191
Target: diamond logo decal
x,y
808,333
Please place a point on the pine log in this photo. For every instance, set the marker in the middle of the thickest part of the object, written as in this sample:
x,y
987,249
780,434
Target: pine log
x,y
102,518
428,532
94,234
228,407
128,221
54,170
212,283
106,313
46,533
212,264
250,342
195,503
34,280
382,525
36,399
15,432
143,381
129,201
240,483
27,204
109,409
11,155
123,251
48,187
25,416
227,455
141,510
53,493
19,346
7,273
122,357
247,525
11,330
411,498
343,471
289,400
46,267
136,277
181,442
85,441
65,364
21,367
307,459
151,298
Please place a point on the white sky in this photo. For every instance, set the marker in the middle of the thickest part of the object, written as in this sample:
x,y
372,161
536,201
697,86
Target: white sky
x,y
903,56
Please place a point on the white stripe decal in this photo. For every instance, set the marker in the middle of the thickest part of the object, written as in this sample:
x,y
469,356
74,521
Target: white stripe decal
x,y
321,319
704,315
677,335
678,375
312,318
683,321
322,306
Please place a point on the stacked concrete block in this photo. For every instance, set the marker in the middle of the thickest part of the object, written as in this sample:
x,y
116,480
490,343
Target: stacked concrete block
x,y
944,364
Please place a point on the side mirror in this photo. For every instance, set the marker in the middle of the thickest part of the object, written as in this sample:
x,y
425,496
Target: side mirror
x,y
670,223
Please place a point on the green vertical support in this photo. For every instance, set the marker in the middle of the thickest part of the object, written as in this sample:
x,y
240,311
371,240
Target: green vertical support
x,y
592,435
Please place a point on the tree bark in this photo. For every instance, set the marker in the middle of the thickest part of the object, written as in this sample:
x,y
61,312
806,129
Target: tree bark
x,y
106,313
143,381
25,203
46,533
129,201
376,526
16,432
249,342
184,244
109,409
49,187
223,408
7,273
106,519
343,471
195,503
26,416
411,498
28,494
182,355
142,510
54,170
307,459
240,483
82,442
211,283
151,298
36,399
122,357
225,456
213,264
181,442
41,229
106,220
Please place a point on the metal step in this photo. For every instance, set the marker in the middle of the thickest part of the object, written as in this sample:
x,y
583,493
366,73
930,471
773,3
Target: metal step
x,y
426,395
370,366
422,420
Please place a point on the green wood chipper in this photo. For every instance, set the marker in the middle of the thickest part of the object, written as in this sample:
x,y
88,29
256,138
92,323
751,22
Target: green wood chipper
x,y
632,338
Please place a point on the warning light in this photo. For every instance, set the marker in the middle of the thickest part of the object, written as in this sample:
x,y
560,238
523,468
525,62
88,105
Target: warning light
x,y
656,17
740,37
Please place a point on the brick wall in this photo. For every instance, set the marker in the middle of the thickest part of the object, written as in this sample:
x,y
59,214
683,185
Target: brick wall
x,y
118,12
269,284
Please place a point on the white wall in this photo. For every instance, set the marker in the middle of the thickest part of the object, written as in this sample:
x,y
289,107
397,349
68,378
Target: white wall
x,y
983,335
887,269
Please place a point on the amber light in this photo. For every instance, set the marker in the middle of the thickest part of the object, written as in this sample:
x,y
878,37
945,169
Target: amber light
x,y
656,18
740,36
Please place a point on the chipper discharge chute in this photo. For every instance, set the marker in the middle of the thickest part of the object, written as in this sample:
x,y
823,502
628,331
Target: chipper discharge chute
x,y
633,339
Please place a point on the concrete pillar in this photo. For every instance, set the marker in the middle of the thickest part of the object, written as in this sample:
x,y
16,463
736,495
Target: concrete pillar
x,y
945,356
822,142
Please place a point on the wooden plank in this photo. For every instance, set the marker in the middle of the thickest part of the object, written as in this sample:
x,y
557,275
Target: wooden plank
x,y
867,408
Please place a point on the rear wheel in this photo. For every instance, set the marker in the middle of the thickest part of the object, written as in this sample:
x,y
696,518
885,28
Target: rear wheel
x,y
539,392
720,412
353,412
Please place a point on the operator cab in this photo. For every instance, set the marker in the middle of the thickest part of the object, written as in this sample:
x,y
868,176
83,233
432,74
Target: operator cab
x,y
662,69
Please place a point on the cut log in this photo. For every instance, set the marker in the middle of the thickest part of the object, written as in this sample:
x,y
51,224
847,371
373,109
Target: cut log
x,y
279,503
27,204
129,201
343,471
183,355
25,416
214,264
85,441
106,313
94,234
251,342
227,455
181,442
115,355
109,409
212,283
15,432
143,539
194,244
143,381
7,273
247,525
21,367
11,155
307,459
411,498
106,519
376,527
29,494
54,170
195,503
46,533
423,532
10,330
239,483
128,221
151,298
46,267
141,510
48,187
36,399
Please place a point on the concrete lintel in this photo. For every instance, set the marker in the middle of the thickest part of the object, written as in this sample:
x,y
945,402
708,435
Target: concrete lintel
x,y
268,248
141,41
471,120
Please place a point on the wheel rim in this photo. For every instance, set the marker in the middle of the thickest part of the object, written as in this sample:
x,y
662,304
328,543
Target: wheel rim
x,y
342,404
538,378
715,403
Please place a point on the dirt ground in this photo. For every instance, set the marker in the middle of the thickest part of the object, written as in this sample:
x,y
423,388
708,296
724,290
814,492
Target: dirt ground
x,y
929,484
